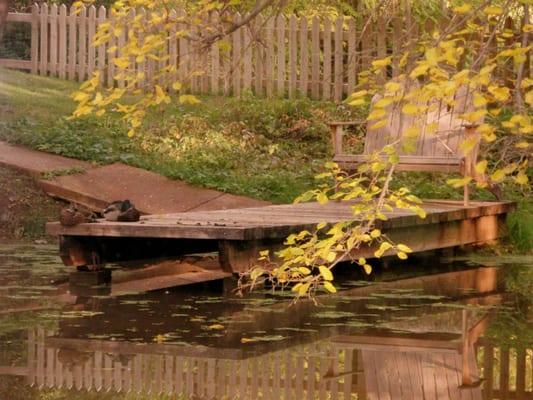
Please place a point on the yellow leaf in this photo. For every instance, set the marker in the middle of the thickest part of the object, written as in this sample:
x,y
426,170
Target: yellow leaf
x,y
493,10
361,261
381,63
521,178
409,109
379,124
529,98
468,144
392,87
481,167
360,93
368,269
176,86
375,233
401,255
459,182
357,102
329,287
188,99
215,327
498,176
326,273
384,102
462,9
322,198
479,100
304,270
404,248
522,145
131,132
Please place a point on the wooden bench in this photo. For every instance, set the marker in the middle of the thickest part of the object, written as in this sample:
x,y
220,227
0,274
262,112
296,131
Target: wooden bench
x,y
436,148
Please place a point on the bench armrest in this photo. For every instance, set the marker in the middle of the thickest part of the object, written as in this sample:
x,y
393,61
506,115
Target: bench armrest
x,y
345,123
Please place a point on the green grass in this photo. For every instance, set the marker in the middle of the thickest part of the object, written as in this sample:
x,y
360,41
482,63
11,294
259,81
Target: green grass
x,y
267,149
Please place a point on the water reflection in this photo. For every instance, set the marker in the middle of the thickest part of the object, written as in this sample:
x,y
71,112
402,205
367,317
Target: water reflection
x,y
426,337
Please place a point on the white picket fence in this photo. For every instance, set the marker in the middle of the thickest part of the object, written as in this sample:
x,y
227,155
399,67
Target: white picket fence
x,y
278,56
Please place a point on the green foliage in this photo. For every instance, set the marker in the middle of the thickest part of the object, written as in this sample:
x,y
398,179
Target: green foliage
x,y
521,226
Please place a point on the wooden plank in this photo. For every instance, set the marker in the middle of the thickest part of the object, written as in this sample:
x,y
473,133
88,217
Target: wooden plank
x,y
34,46
173,44
259,58
19,17
304,57
243,379
16,64
521,373
315,58
352,56
215,62
43,67
326,67
62,45
72,43
53,41
121,42
82,44
247,59
236,59
339,62
91,51
50,372
293,55
269,57
101,55
280,59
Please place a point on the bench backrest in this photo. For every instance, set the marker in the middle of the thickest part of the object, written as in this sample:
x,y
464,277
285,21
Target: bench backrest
x,y
441,130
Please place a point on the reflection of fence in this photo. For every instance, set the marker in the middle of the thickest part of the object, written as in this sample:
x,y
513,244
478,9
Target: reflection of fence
x,y
278,56
321,370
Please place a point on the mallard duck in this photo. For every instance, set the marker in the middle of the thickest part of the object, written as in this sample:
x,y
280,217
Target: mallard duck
x,y
73,215
121,210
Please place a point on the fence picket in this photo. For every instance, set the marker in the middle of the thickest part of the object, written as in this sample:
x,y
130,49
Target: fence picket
x,y
43,69
338,77
315,58
293,49
326,69
62,27
53,40
34,49
269,57
351,67
273,56
91,53
236,61
280,36
101,56
215,61
82,43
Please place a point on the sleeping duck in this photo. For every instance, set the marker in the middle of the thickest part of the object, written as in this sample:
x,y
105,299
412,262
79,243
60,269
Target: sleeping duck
x,y
122,211
74,215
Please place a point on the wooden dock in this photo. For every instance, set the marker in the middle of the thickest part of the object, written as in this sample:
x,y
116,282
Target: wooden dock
x,y
239,234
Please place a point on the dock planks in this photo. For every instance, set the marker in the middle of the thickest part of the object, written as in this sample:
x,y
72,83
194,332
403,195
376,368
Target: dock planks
x,y
241,232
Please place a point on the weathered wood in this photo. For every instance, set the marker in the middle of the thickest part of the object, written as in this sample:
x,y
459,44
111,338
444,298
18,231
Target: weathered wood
x,y
72,42
62,50
339,62
280,59
34,46
292,55
53,40
326,69
269,57
315,58
43,66
304,57
101,60
82,44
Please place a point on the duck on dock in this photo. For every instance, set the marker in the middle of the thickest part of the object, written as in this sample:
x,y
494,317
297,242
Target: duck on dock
x,y
122,211
74,215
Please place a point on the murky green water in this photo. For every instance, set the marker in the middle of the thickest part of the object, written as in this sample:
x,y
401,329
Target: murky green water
x,y
464,331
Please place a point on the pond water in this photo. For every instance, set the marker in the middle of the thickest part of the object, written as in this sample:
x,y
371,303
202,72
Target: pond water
x,y
457,330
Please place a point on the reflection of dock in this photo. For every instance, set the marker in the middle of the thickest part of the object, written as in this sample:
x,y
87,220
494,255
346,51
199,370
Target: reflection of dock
x,y
406,358
239,234
335,370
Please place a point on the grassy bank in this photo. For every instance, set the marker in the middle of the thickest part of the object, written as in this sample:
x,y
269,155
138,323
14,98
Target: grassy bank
x,y
267,149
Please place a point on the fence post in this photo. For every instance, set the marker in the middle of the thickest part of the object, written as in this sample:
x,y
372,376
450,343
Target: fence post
x,y
293,55
351,67
339,78
91,53
326,68
34,52
101,49
82,44
315,58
